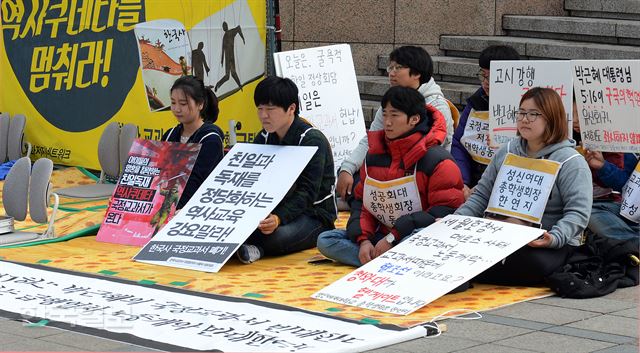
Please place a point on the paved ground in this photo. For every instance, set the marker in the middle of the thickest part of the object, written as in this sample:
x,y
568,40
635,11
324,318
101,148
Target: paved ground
x,y
607,325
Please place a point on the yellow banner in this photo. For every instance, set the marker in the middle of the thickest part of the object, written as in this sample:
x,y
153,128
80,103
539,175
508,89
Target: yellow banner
x,y
73,66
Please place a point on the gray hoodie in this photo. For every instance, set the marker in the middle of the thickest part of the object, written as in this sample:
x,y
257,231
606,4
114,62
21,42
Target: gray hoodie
x,y
432,95
569,206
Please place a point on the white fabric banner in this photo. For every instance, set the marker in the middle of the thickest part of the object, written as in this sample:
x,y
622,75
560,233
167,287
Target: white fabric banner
x,y
608,99
226,209
328,92
509,80
429,264
181,319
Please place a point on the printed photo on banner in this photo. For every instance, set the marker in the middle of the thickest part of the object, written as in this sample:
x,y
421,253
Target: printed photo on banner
x,y
509,80
329,96
226,209
428,264
165,55
148,191
608,102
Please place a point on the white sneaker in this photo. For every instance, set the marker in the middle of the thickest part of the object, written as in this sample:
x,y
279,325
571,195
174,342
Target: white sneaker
x,y
249,253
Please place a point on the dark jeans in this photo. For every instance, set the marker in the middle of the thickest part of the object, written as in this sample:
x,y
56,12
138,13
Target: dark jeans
x,y
526,267
301,234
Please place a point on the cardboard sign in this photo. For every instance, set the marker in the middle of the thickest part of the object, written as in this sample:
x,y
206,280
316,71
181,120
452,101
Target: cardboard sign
x,y
631,197
475,137
148,191
522,187
200,322
329,96
429,264
608,100
226,209
509,80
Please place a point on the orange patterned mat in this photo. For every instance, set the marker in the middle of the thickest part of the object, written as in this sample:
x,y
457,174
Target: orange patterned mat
x,y
287,280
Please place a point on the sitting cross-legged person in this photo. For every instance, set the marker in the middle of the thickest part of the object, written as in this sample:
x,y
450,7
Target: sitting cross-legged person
x,y
408,180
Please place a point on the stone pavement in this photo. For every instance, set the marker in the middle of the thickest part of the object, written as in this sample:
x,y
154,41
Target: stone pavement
x,y
606,325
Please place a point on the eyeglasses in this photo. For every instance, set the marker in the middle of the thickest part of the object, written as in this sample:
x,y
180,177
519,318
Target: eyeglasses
x,y
481,76
531,116
396,67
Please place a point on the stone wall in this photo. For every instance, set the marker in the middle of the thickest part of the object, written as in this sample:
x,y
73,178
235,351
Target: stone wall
x,y
375,27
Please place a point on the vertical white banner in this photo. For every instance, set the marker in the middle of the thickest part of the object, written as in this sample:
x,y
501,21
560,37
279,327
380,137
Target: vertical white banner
x,y
608,99
509,80
328,92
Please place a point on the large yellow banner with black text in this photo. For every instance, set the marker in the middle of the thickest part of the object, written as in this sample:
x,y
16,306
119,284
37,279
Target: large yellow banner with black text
x,y
73,66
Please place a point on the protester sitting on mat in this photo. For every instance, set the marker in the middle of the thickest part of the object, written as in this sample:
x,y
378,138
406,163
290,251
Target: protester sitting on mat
x,y
408,180
412,67
542,139
610,171
196,108
309,207
469,147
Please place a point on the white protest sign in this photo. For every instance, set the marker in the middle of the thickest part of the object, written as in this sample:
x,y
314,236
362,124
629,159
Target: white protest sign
x,y
328,92
631,196
522,187
429,264
509,80
476,135
227,207
202,322
608,100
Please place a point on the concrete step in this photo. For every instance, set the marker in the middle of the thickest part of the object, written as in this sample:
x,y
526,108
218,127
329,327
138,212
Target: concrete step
x,y
372,88
369,108
619,9
445,68
537,48
583,29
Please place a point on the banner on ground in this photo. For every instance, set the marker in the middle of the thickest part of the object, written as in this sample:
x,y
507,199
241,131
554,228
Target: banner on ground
x,y
509,80
196,321
429,264
328,92
608,102
148,191
72,67
226,209
631,197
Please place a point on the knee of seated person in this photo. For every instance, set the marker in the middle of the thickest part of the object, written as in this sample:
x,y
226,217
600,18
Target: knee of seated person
x,y
330,237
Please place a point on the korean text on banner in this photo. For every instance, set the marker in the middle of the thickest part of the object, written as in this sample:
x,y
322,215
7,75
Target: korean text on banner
x,y
328,93
509,80
148,191
228,206
631,197
429,264
201,323
608,99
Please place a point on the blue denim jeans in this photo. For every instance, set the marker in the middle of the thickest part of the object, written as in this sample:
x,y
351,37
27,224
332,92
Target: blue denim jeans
x,y
335,244
606,220
301,234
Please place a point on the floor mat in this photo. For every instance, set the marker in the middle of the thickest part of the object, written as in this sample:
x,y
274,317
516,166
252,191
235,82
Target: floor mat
x,y
287,280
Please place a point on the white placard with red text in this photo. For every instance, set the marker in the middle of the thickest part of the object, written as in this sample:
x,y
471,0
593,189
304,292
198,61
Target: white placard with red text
x,y
428,265
608,99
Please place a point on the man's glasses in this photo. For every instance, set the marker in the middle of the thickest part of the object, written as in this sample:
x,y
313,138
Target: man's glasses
x,y
482,76
531,116
396,67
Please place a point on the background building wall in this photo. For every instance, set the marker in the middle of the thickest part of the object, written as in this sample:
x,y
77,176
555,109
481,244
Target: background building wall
x,y
375,27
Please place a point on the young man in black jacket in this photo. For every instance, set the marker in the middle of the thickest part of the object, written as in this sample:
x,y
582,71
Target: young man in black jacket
x,y
308,208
